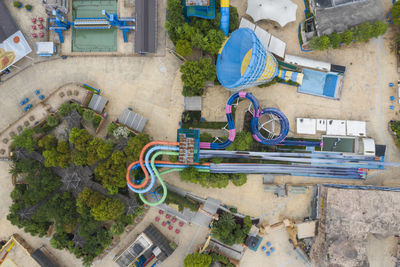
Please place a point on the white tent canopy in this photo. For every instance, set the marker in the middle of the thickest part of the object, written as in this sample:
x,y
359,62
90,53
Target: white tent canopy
x,y
281,11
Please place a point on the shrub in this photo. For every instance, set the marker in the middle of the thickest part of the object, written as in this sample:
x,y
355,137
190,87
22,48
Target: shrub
x,y
96,121
25,140
183,48
233,18
396,13
111,128
378,28
28,7
320,43
335,39
195,74
88,115
181,201
197,260
347,37
17,4
52,121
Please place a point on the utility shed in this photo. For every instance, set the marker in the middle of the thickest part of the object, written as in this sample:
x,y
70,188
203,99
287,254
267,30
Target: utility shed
x,y
159,240
98,103
306,126
132,120
336,127
356,128
193,103
146,26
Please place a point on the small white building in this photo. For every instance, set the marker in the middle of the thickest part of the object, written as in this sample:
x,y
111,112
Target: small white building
x,y
45,49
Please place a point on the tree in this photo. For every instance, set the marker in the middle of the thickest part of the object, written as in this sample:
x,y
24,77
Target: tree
x,y
363,32
212,41
80,138
59,240
67,108
61,208
233,18
347,37
378,28
88,115
52,121
230,232
175,19
239,179
197,260
50,158
335,39
48,142
195,74
79,158
117,228
396,13
112,173
63,147
109,209
243,141
183,48
24,140
111,128
88,198
135,146
320,43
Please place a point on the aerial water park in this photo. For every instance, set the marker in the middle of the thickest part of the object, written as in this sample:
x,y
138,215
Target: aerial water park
x,y
243,62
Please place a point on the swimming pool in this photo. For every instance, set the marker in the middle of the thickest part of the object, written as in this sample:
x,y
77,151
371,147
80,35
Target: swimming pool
x,y
319,83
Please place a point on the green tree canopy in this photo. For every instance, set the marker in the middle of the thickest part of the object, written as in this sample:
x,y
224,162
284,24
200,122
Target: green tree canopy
x,y
52,121
111,174
109,209
378,28
320,43
183,47
243,142
195,74
335,39
48,142
135,146
347,37
175,19
396,13
88,115
228,231
197,260
25,140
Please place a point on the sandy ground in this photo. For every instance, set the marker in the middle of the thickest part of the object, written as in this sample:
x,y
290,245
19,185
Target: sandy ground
x,y
250,198
380,251
283,255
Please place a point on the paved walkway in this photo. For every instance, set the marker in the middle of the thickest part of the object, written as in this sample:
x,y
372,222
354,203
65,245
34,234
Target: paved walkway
x,y
126,82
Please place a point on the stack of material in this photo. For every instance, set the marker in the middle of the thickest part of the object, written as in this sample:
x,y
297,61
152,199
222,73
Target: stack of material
x,y
186,149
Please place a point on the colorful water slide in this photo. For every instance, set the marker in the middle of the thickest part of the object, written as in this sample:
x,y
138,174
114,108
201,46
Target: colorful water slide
x,y
293,76
224,25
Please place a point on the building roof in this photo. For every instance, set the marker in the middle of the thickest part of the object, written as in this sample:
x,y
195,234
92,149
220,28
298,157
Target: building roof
x,y
132,120
306,126
97,103
307,62
158,239
193,103
42,259
146,26
354,219
197,2
339,15
7,23
281,11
